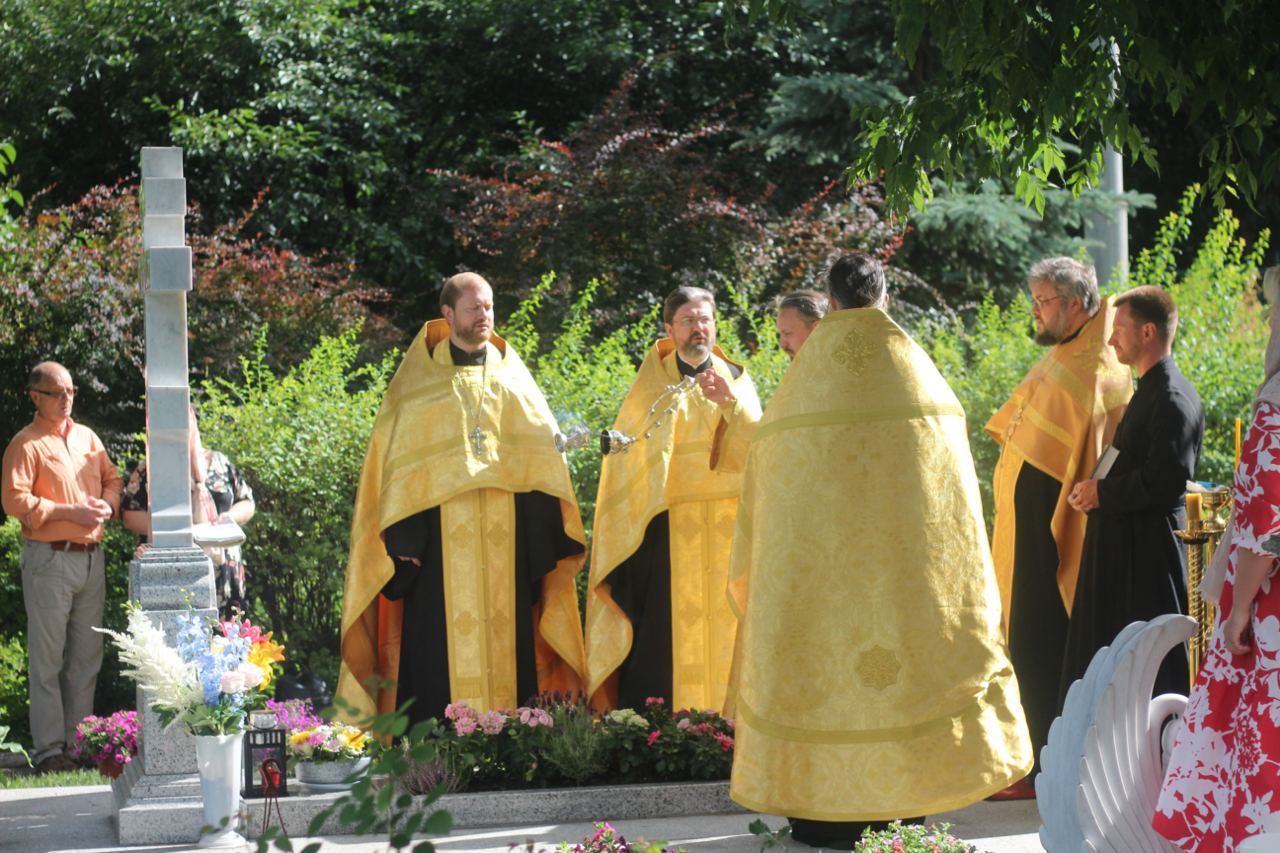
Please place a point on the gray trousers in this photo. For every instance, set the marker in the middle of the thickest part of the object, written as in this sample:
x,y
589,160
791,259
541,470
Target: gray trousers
x,y
64,594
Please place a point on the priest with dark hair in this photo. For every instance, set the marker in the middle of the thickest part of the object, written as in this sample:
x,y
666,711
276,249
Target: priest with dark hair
x,y
658,623
466,535
1132,566
872,682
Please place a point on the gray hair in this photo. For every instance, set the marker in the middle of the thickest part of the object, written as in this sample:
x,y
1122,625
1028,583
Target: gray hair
x,y
1070,279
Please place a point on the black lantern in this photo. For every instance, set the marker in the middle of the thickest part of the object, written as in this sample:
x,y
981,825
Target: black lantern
x,y
265,757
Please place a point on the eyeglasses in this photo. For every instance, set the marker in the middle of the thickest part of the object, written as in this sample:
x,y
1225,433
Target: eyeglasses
x,y
68,393
690,322
1039,303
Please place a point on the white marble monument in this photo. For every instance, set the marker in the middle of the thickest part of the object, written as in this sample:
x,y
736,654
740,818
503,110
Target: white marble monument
x,y
158,796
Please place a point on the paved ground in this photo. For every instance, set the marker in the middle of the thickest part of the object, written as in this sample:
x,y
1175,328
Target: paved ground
x,y
61,820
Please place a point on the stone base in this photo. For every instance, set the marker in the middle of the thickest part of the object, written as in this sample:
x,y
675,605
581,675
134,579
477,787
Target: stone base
x,y
157,808
169,809
513,808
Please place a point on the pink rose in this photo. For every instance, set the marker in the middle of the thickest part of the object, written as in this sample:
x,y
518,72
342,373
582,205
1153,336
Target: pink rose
x,y
655,700
683,724
653,736
232,682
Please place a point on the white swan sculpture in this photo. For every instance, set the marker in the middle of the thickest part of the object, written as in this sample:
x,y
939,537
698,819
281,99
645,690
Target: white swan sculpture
x,y
1103,765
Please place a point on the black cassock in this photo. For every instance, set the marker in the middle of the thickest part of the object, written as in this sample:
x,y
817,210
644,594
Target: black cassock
x,y
1132,566
424,645
641,587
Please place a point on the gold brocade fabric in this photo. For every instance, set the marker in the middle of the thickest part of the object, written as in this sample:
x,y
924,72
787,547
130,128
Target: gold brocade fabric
x,y
671,472
1058,420
421,456
872,679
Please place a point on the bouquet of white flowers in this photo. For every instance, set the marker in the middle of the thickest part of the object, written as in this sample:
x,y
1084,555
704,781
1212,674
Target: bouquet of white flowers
x,y
212,679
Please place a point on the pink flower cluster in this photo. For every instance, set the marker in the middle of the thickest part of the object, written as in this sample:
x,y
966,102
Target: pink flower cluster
x,y
296,715
466,720
111,739
534,717
687,725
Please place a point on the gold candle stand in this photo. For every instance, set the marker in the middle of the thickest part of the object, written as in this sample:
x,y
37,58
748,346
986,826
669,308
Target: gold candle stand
x,y
1201,537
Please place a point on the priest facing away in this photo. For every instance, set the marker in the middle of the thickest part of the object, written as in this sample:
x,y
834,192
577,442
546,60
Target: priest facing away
x,y
466,535
872,678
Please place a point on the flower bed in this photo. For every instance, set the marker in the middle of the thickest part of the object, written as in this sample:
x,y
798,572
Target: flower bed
x,y
556,743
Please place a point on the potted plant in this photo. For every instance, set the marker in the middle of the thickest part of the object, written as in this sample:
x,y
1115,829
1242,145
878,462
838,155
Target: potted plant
x,y
912,838
326,756
108,742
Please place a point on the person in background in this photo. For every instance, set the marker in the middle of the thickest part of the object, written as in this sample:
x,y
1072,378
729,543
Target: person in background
x,y
1133,566
1052,428
58,481
798,312
218,493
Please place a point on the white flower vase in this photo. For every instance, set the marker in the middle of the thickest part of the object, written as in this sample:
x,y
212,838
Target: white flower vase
x,y
218,758
328,776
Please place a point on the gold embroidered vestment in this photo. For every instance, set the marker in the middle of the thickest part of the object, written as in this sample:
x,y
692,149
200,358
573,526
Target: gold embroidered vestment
x,y
872,679
422,455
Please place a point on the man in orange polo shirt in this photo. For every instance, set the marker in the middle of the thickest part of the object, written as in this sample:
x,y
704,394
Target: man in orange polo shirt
x,y
61,486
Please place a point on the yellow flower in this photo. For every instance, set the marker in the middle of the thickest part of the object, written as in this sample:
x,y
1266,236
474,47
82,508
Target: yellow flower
x,y
352,738
262,653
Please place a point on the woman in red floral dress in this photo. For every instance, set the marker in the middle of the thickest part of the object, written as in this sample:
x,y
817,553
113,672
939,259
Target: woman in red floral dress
x,y
1223,781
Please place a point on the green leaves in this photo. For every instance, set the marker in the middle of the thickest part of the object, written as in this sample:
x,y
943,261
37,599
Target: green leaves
x,y
297,541
1043,74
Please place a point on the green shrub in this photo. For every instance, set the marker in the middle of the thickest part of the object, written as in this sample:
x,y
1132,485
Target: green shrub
x,y
299,440
13,689
1222,328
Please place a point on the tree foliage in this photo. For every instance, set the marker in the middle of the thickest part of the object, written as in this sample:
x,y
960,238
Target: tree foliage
x,y
1033,92
69,292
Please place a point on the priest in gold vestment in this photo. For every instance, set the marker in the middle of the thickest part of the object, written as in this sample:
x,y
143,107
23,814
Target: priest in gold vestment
x,y
872,680
658,623
1051,432
466,535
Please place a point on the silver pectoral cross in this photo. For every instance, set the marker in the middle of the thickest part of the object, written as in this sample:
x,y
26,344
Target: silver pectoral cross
x,y
477,440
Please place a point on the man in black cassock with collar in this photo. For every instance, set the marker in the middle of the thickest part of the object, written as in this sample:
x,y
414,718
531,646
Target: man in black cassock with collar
x,y
1133,567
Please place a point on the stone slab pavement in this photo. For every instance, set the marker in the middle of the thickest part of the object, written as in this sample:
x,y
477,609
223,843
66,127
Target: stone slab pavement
x,y
62,820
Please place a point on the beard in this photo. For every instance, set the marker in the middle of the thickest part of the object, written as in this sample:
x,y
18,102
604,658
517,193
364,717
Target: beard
x,y
1052,335
475,335
695,353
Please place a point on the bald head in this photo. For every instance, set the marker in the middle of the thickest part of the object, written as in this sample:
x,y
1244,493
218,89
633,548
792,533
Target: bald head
x,y
51,390
455,286
47,373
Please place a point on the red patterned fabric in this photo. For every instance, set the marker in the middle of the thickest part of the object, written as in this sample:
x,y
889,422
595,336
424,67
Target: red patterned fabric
x,y
1223,781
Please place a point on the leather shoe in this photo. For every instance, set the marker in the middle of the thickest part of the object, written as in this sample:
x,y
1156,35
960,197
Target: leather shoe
x,y
1023,789
57,763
